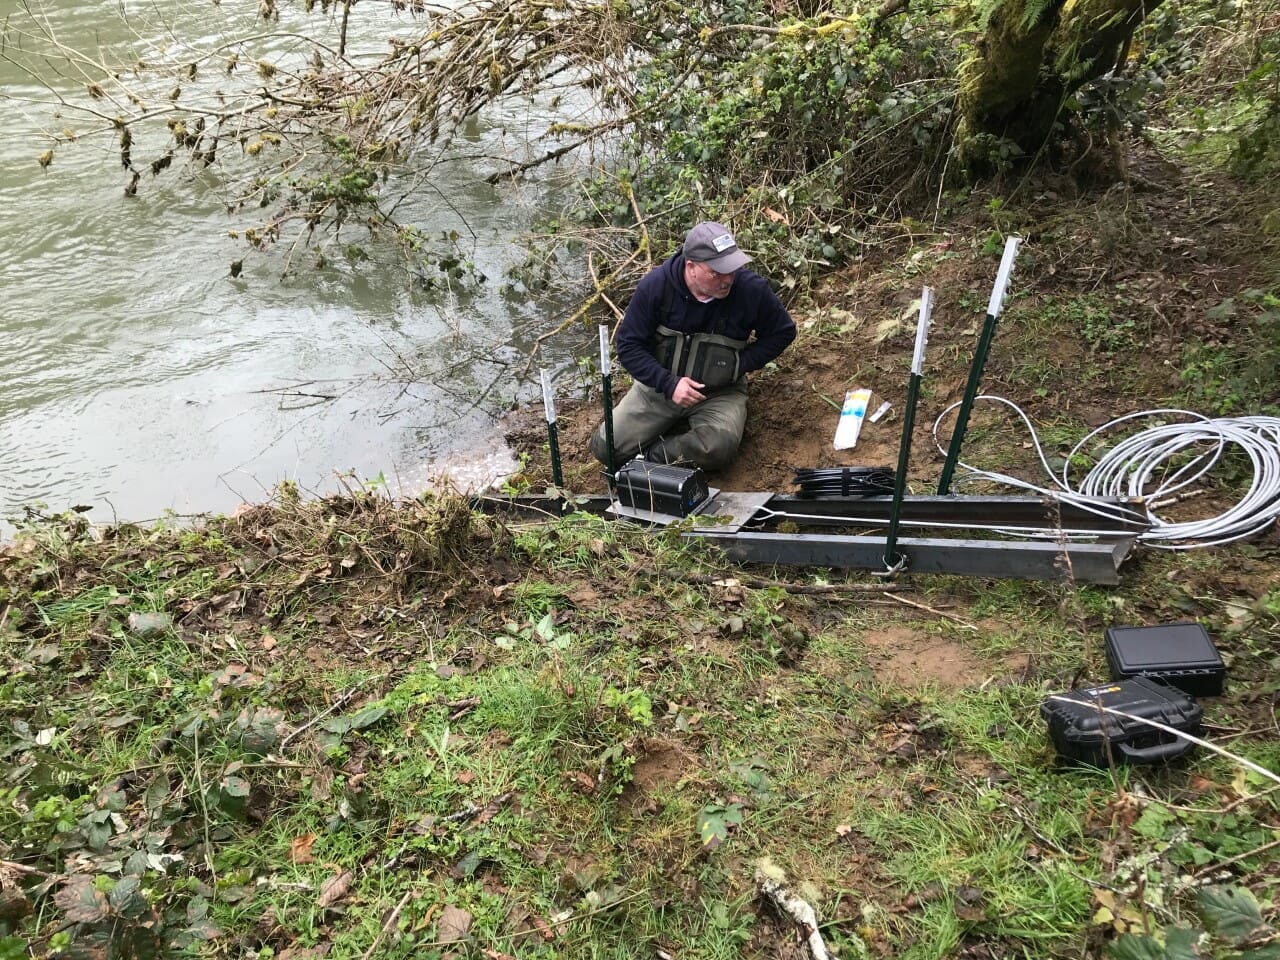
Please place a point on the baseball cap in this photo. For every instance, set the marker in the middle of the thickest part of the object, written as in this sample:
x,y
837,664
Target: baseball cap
x,y
712,243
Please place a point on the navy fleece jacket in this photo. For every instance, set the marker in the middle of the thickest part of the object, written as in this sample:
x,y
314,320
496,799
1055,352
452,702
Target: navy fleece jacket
x,y
751,308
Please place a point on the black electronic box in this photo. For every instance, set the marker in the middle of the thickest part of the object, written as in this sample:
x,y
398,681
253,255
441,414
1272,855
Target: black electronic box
x,y
661,487
1177,653
1084,734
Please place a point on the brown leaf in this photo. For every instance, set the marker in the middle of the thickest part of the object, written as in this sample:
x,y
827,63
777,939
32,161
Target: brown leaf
x,y
300,849
268,642
453,925
543,927
335,889
465,777
81,902
582,781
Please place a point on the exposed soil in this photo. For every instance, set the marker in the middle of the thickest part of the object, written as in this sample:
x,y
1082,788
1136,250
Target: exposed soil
x,y
913,660
1146,257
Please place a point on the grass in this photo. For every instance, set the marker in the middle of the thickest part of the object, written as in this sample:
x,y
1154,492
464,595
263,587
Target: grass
x,y
499,739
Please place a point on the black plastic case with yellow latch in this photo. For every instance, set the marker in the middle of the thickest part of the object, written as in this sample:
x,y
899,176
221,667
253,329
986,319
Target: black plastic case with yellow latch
x,y
1084,734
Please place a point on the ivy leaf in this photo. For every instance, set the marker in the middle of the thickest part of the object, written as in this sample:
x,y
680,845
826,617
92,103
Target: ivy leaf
x,y
752,773
127,898
81,902
1179,945
1131,946
545,629
1231,912
716,822
1223,311
355,721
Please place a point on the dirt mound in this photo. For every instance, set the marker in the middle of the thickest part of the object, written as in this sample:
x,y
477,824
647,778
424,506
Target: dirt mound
x,y
1106,294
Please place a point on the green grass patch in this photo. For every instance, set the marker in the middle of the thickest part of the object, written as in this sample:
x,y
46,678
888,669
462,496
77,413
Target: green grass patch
x,y
588,760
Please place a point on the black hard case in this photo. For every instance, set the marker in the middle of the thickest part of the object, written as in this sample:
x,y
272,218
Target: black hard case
x,y
1082,733
1177,653
660,487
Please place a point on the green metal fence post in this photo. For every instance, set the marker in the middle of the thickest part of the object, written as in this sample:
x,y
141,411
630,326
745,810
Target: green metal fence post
x,y
979,364
893,561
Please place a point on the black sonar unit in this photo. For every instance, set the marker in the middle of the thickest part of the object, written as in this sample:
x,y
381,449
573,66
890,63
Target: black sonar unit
x,y
661,487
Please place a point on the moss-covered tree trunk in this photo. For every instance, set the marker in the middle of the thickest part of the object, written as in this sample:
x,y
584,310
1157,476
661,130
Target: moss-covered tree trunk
x,y
1032,55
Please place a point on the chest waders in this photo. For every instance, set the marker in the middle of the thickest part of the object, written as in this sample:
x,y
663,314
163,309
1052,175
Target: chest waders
x,y
707,434
710,359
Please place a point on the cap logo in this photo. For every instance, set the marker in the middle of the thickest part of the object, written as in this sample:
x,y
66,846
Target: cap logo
x,y
723,242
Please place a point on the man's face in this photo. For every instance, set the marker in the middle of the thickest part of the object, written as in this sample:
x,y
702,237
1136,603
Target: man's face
x,y
705,282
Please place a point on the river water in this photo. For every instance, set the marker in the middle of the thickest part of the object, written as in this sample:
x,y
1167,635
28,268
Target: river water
x,y
140,378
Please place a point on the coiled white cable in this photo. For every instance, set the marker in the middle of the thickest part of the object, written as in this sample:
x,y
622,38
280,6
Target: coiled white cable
x,y
1159,466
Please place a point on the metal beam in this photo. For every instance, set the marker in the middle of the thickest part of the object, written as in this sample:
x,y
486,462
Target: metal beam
x,y
972,511
1022,560
977,511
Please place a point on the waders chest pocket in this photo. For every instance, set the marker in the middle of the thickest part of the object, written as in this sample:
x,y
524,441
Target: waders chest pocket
x,y
714,360
669,349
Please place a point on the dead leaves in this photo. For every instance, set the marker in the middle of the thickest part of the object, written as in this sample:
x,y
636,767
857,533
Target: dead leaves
x,y
335,889
300,849
453,925
81,902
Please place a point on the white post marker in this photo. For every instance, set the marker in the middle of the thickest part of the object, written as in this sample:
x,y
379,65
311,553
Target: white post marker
x,y
996,303
606,382
926,318
548,400
553,440
605,368
894,561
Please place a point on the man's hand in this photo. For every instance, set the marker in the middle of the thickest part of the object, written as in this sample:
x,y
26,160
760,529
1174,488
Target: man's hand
x,y
687,392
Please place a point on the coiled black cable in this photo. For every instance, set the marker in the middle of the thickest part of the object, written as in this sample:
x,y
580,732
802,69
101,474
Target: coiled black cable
x,y
828,482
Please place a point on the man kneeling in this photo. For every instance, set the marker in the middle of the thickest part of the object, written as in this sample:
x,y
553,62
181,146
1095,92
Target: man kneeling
x,y
695,327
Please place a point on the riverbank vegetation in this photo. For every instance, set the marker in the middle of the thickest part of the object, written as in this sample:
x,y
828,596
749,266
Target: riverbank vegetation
x,y
349,728
816,128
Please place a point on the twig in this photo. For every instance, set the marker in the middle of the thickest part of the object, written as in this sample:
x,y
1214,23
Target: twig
x,y
756,583
1216,811
23,868
336,705
473,810
1237,858
794,907
937,613
388,924
595,281
1180,734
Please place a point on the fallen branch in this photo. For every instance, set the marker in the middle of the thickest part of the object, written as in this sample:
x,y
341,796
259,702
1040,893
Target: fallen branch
x,y
1222,865
769,878
758,583
23,868
388,924
336,705
496,804
1181,735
